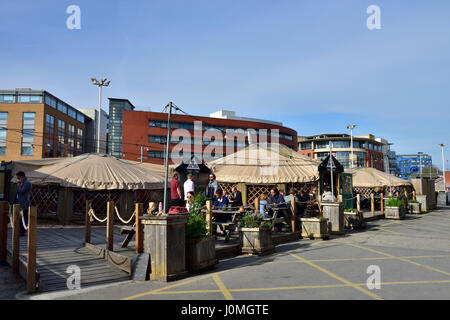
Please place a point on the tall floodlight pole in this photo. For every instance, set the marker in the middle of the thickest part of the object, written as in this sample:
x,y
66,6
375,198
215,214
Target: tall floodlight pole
x,y
103,83
166,158
443,165
351,128
331,169
420,164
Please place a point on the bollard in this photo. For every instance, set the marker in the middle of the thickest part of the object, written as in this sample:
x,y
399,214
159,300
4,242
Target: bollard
x,y
110,226
4,211
87,221
31,258
294,213
372,204
139,228
257,205
209,217
358,202
16,239
382,203
414,195
405,199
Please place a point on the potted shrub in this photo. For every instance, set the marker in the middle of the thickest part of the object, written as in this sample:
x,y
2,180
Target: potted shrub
x,y
395,209
200,248
255,234
415,206
354,219
314,226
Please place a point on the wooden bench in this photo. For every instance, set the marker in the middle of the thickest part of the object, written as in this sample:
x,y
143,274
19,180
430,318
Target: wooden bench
x,y
275,219
130,232
227,227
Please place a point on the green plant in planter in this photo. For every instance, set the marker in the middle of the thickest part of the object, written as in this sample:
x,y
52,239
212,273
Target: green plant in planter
x,y
393,202
351,210
196,225
413,201
254,220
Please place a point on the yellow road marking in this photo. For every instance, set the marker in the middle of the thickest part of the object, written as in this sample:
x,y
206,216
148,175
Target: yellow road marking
x,y
400,258
365,259
343,285
336,277
222,287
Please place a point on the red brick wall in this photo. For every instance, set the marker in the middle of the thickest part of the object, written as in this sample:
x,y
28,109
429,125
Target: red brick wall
x,y
136,131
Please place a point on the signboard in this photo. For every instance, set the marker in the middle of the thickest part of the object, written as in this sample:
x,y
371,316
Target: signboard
x,y
193,165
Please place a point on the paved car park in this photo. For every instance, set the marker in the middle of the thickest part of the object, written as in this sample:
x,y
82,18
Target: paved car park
x,y
411,258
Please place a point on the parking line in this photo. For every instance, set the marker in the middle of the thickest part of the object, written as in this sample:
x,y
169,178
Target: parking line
x,y
222,287
400,258
336,277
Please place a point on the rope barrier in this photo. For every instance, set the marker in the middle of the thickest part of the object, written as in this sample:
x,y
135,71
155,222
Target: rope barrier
x,y
23,220
11,217
120,218
93,216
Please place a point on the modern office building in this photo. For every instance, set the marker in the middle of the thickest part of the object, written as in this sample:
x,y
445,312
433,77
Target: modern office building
x,y
411,164
117,107
367,151
35,124
220,134
92,132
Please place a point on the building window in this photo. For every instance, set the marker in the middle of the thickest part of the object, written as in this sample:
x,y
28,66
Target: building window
x,y
62,107
49,137
72,113
71,141
3,126
30,99
79,141
28,133
156,154
6,98
61,138
50,101
305,145
157,139
341,144
80,117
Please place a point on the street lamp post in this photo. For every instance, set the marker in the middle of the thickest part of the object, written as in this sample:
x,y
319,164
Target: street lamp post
x,y
142,152
420,164
103,83
443,165
351,128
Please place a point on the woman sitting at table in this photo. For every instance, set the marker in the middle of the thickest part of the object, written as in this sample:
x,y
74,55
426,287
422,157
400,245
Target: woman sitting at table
x,y
221,202
263,205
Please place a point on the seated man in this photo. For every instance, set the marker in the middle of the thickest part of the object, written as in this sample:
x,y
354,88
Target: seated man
x,y
276,200
221,202
328,196
236,197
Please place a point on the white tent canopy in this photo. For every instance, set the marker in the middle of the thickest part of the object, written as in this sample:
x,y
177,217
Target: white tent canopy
x,y
90,171
265,164
372,178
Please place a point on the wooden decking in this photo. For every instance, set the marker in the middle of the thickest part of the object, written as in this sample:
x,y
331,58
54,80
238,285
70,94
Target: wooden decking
x,y
59,248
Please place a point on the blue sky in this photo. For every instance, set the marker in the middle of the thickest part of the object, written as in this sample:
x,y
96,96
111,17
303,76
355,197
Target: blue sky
x,y
312,65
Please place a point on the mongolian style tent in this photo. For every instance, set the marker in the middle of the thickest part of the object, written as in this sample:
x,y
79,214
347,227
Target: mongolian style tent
x,y
366,180
63,185
258,167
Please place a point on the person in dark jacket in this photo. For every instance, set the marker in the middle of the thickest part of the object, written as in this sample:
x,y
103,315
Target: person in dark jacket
x,y
212,186
23,194
276,200
236,197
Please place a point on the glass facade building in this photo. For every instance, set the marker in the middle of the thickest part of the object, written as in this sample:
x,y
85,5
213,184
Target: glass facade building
x,y
116,109
410,164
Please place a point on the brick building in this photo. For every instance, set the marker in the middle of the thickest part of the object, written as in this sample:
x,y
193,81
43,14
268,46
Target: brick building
x,y
35,124
149,131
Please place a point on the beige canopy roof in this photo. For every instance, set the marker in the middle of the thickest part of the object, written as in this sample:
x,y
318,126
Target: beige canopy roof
x,y
264,164
90,171
371,178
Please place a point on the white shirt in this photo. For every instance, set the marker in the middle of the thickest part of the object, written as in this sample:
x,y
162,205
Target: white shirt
x,y
328,196
188,186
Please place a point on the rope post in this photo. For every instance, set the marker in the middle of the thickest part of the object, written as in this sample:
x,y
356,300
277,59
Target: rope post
x,y
257,205
405,199
110,226
294,213
382,203
414,194
139,228
372,204
209,217
87,221
31,258
15,238
340,198
358,202
4,211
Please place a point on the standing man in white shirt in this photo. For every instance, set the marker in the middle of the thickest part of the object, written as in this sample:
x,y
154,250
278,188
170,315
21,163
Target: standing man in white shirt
x,y
188,185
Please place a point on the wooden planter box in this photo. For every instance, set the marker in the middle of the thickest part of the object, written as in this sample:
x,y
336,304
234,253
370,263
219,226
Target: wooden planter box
x,y
423,202
395,213
415,208
334,212
200,254
354,220
256,241
315,228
